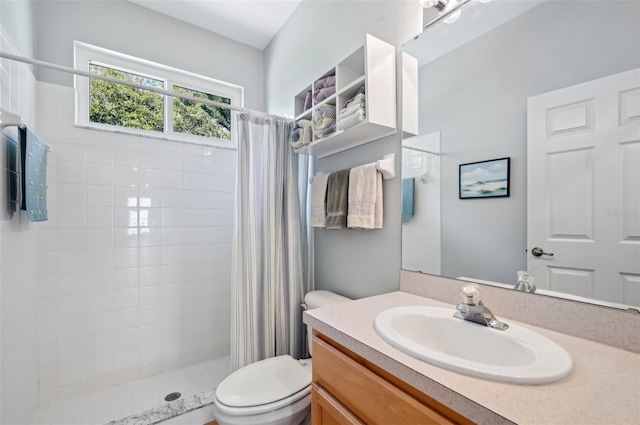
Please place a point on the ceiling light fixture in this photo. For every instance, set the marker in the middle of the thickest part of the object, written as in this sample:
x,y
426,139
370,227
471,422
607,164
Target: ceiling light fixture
x,y
444,6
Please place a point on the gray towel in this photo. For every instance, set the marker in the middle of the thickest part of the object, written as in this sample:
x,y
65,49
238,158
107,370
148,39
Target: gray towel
x,y
307,100
14,168
337,199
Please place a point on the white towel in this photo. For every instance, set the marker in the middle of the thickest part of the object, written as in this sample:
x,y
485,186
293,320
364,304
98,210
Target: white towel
x,y
360,107
365,198
377,222
319,200
320,127
351,120
359,98
305,137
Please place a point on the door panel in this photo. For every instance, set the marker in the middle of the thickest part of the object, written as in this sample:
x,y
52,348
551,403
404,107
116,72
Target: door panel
x,y
570,119
570,187
571,281
583,170
631,191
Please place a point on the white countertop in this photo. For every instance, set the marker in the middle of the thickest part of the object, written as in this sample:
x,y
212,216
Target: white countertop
x,y
604,387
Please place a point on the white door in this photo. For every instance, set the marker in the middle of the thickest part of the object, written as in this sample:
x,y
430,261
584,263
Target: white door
x,y
584,188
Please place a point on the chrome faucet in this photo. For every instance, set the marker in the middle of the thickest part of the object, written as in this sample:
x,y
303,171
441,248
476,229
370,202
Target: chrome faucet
x,y
473,310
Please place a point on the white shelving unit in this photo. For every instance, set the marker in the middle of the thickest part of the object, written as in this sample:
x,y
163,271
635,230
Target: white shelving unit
x,y
409,94
372,66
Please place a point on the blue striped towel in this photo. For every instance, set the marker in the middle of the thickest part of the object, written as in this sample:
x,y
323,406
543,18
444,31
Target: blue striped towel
x,y
34,180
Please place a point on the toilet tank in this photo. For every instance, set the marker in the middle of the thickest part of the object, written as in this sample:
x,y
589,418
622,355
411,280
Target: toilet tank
x,y
321,298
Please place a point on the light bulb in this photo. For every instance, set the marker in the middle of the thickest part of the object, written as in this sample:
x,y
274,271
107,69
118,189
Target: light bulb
x,y
453,17
428,3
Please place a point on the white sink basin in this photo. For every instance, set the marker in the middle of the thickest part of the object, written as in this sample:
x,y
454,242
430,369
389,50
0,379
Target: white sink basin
x,y
516,355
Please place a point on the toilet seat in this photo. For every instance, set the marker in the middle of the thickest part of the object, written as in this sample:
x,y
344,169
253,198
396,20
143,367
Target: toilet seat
x,y
263,386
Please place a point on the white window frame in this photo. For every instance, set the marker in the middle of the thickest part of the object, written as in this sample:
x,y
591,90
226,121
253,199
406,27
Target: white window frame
x,y
85,54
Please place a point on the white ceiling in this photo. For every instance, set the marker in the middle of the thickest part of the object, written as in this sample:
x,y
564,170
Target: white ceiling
x,y
252,22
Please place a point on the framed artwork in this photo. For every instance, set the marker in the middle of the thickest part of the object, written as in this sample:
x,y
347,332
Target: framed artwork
x,y
484,179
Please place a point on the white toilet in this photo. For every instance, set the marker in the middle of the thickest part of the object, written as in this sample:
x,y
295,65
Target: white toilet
x,y
275,391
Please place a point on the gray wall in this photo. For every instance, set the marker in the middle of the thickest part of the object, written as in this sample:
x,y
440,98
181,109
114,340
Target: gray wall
x,y
128,28
16,19
476,96
317,36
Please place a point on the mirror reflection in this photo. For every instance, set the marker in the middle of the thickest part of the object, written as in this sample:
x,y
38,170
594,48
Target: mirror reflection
x,y
555,87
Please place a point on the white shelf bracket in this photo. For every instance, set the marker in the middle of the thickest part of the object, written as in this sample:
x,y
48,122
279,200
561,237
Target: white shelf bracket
x,y
387,166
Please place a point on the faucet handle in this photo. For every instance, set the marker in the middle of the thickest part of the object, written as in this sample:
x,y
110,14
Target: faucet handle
x,y
470,294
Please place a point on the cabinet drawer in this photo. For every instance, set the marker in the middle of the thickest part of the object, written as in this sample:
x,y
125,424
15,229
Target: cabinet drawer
x,y
370,397
326,410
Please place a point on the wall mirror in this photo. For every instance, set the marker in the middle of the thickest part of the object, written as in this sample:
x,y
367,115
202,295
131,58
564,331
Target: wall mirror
x,y
555,87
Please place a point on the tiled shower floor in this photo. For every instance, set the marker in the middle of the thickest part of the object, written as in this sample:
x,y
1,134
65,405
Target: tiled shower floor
x,y
124,400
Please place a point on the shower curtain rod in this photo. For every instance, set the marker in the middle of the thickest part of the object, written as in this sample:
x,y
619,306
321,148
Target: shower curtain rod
x,y
74,71
420,150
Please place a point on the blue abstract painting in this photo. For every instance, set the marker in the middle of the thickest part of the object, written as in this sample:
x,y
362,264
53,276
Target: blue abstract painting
x,y
485,179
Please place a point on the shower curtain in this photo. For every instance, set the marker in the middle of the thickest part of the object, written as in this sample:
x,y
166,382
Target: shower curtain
x,y
270,258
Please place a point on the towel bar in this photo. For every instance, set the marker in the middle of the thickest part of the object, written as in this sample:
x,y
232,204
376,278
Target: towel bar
x,y
386,166
9,119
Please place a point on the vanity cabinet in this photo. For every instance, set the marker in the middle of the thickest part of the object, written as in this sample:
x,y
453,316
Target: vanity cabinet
x,y
372,67
348,390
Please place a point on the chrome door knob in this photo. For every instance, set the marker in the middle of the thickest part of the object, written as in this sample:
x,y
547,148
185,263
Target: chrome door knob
x,y
538,252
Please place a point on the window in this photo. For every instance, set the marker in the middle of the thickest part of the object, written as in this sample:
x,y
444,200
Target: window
x,y
200,119
123,106
110,106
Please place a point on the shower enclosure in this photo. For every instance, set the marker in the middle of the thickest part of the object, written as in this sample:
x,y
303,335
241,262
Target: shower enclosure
x,y
128,280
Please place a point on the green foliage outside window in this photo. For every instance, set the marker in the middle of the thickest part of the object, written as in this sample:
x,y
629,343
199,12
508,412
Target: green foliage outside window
x,y
114,104
200,119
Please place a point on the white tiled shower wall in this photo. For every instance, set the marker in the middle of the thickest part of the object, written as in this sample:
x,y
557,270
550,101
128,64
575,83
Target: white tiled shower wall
x,y
134,263
18,248
421,236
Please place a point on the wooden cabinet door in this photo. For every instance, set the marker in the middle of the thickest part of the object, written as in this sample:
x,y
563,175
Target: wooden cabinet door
x,y
326,410
371,398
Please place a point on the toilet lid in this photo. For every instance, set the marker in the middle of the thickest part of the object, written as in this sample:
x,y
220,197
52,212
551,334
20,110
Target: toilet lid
x,y
263,382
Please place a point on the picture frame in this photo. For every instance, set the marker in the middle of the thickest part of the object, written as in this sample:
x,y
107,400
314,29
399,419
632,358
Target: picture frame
x,y
485,179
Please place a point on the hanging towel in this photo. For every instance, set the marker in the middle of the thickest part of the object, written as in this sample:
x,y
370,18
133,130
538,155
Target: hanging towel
x,y
337,199
319,200
408,185
365,198
34,168
377,222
